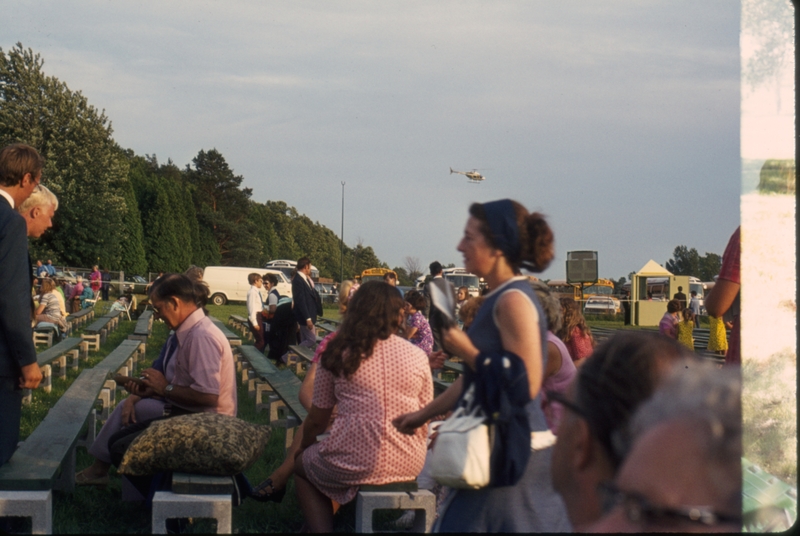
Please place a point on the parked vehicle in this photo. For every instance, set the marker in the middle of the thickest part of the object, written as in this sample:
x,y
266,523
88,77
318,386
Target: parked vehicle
x,y
229,283
459,277
602,305
287,267
135,283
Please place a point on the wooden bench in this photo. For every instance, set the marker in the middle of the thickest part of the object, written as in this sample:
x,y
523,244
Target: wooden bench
x,y
305,354
242,324
143,327
122,360
327,327
233,339
96,333
79,318
330,321
72,346
283,385
46,459
44,333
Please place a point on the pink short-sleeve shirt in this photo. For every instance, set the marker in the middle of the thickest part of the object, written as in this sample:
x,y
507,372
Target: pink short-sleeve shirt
x,y
204,362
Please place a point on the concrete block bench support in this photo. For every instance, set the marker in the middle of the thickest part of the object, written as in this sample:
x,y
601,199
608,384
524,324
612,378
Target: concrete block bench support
x,y
194,496
36,505
169,505
423,502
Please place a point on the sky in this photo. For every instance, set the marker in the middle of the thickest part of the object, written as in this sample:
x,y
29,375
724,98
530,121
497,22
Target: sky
x,y
619,120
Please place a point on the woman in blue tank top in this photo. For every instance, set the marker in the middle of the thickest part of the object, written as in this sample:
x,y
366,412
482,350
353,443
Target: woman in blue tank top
x,y
500,238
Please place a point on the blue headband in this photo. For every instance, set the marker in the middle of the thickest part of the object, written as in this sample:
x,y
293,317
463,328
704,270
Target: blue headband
x,y
502,220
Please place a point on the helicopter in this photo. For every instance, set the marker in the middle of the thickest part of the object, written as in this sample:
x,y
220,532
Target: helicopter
x,y
473,175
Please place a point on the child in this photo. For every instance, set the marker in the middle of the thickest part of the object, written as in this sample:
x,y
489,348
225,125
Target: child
x,y
418,330
717,338
685,329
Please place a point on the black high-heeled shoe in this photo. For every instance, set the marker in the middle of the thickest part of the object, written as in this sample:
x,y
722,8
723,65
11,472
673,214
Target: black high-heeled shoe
x,y
261,494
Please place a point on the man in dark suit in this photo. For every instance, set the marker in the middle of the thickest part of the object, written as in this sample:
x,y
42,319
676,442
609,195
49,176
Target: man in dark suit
x,y
437,324
20,173
681,297
307,305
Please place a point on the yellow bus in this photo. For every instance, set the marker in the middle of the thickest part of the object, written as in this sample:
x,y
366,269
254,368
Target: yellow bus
x,y
374,274
562,289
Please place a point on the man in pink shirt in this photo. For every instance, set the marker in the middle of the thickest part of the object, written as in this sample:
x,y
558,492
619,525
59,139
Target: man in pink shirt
x,y
196,374
205,377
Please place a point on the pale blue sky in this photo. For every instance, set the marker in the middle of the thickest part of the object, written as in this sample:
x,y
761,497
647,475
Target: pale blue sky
x,y
619,120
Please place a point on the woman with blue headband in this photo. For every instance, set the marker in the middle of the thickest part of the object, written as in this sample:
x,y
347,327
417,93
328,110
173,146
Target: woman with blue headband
x,y
505,352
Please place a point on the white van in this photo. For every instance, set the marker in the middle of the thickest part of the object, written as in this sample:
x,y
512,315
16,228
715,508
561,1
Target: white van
x,y
287,267
229,283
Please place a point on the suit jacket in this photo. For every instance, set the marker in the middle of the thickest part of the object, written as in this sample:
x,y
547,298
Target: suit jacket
x,y
16,335
305,300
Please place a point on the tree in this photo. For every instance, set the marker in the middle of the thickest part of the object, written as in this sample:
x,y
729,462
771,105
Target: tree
x,y
618,284
688,262
402,277
684,261
413,268
709,266
84,167
222,207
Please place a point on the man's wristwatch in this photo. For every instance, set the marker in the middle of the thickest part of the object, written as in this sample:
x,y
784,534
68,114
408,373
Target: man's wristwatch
x,y
168,389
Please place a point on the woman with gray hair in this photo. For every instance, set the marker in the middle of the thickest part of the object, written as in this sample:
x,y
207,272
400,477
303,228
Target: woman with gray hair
x,y
560,367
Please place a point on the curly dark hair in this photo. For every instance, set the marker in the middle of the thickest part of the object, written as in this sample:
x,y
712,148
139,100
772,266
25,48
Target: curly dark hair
x,y
417,300
373,314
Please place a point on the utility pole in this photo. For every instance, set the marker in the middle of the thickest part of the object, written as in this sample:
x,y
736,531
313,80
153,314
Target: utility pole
x,y
341,269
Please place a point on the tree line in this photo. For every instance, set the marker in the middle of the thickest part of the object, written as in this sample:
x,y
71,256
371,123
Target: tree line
x,y
130,212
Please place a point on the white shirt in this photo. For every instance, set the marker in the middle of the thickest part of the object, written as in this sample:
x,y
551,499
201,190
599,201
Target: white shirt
x,y
7,196
254,304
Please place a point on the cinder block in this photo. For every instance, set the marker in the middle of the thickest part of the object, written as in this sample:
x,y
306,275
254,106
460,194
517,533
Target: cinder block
x,y
37,505
423,502
168,505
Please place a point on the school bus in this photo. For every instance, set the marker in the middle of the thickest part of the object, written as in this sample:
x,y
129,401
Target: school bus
x,y
374,274
603,287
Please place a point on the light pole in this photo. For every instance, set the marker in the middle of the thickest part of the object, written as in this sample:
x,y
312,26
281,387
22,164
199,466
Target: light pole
x,y
341,269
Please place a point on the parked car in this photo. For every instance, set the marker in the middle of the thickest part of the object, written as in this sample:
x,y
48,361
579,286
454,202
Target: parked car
x,y
602,305
135,283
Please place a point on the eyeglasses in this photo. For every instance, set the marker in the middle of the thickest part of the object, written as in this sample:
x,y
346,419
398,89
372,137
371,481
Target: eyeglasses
x,y
555,396
639,510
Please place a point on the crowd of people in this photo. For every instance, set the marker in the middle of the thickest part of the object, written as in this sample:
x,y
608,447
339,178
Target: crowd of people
x,y
578,428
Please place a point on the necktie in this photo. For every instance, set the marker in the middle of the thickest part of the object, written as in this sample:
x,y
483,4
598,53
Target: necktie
x,y
172,348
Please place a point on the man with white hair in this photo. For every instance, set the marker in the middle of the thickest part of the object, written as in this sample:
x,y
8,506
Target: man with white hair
x,y
38,211
683,472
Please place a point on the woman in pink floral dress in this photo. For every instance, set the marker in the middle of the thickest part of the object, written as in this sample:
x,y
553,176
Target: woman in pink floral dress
x,y
371,376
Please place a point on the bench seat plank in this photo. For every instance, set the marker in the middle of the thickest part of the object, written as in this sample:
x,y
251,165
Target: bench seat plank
x,y
46,356
231,336
143,324
35,464
119,355
98,325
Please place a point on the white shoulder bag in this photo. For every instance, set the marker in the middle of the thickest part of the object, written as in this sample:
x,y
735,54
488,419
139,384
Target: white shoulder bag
x,y
461,454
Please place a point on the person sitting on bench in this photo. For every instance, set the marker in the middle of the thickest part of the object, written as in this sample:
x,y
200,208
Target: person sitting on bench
x,y
371,376
197,372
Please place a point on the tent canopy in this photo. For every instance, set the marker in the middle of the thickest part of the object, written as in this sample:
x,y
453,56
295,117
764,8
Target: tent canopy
x,y
653,269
